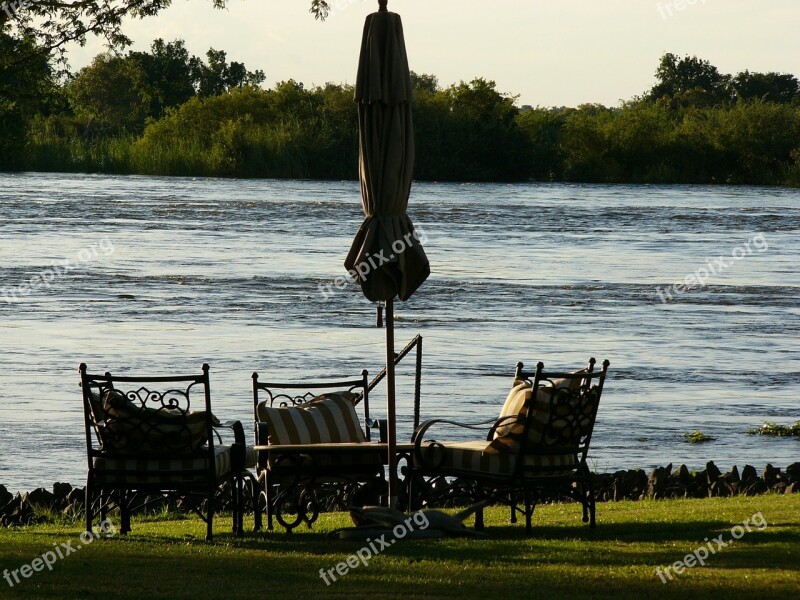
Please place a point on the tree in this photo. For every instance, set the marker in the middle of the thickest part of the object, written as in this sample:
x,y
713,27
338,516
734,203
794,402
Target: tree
x,y
424,83
217,76
112,93
169,74
23,94
470,134
52,24
690,81
772,87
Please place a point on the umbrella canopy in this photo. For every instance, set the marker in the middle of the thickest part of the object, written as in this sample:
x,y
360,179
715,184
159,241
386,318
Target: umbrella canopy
x,y
386,254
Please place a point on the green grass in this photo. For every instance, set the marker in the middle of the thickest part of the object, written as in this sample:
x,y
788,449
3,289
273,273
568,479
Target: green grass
x,y
562,559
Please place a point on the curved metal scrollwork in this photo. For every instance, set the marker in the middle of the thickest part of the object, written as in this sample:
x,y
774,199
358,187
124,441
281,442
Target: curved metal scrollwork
x,y
296,497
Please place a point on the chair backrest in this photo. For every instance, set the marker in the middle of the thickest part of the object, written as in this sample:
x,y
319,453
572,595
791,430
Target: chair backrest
x,y
298,394
147,416
561,414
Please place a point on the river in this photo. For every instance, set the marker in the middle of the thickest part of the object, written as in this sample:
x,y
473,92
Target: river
x,y
167,273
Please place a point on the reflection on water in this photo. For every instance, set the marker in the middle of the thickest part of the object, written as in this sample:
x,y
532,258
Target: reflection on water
x,y
229,273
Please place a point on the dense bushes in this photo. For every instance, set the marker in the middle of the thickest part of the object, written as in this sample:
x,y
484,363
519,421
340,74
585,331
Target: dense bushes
x,y
695,126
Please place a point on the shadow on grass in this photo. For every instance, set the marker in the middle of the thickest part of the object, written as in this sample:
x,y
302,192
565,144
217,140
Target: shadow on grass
x,y
570,561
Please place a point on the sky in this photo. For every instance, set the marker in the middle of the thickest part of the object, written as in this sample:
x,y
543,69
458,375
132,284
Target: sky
x,y
548,52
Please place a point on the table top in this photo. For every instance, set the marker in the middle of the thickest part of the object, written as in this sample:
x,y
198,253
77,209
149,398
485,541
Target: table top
x,y
334,447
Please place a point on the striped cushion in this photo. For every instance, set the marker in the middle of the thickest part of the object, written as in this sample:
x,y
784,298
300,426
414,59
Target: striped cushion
x,y
478,457
508,434
327,419
136,429
161,470
250,457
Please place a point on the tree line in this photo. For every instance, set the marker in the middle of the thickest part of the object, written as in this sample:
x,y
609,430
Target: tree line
x,y
167,112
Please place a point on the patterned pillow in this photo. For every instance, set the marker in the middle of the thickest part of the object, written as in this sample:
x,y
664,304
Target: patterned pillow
x,y
327,419
131,428
508,434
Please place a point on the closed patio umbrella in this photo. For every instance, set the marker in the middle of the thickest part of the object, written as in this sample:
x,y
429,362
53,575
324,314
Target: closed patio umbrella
x,y
386,255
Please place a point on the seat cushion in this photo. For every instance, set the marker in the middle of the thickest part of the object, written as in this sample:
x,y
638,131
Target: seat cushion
x,y
330,418
130,427
122,469
480,458
327,467
250,457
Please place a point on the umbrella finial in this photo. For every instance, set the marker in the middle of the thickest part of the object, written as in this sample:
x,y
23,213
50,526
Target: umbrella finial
x,y
383,5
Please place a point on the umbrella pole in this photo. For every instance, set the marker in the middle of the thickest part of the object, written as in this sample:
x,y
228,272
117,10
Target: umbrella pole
x,y
390,398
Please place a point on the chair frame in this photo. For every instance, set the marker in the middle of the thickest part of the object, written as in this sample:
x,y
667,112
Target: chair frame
x,y
527,485
299,465
179,392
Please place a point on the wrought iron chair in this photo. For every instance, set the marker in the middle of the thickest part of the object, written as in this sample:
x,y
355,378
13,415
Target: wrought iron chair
x,y
143,437
298,454
536,450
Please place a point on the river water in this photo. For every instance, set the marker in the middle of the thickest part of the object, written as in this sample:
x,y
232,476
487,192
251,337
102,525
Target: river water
x,y
167,273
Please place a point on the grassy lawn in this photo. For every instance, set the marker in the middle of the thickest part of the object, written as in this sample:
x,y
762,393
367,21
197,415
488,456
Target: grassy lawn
x,y
562,559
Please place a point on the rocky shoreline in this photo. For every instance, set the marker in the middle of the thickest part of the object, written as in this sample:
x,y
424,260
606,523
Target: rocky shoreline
x,y
634,484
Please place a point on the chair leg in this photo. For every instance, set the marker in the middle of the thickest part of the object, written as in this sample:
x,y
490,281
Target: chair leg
x,y
124,513
267,499
479,496
256,499
584,503
236,503
529,508
210,517
103,509
88,502
416,488
512,500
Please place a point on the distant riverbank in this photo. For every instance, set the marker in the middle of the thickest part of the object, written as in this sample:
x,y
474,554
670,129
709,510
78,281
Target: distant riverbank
x,y
290,132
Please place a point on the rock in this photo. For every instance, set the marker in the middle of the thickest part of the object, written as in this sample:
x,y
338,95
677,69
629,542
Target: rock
x,y
756,488
793,488
76,497
40,497
772,475
793,472
749,475
684,476
657,482
712,472
733,476
5,497
61,490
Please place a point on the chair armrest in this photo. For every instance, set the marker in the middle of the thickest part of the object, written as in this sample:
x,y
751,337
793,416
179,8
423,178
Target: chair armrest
x,y
424,456
382,425
507,420
238,448
416,439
